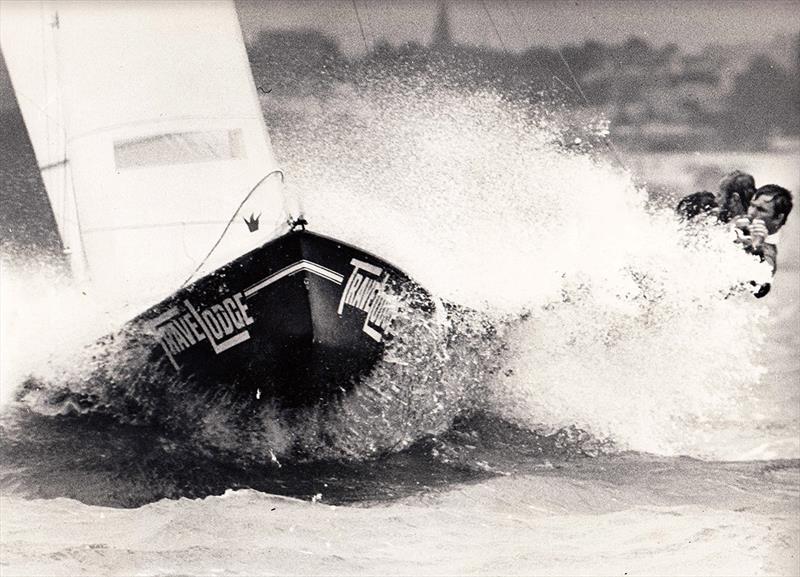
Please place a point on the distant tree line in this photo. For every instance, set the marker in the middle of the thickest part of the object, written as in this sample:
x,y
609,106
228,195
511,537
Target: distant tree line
x,y
706,99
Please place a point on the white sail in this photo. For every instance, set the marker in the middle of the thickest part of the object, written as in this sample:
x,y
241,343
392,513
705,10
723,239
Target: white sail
x,y
146,123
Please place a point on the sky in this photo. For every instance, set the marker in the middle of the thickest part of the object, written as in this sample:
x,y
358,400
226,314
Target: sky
x,y
517,24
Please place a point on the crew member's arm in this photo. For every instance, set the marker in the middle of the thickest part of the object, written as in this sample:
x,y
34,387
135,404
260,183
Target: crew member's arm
x,y
753,240
758,245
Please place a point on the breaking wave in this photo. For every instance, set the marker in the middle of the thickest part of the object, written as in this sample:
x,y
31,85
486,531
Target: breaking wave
x,y
580,311
612,317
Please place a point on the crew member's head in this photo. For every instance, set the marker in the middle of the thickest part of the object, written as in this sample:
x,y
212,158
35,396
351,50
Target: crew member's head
x,y
772,204
696,203
735,192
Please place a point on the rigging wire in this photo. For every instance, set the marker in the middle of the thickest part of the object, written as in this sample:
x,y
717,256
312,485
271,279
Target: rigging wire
x,y
606,140
496,31
558,49
361,27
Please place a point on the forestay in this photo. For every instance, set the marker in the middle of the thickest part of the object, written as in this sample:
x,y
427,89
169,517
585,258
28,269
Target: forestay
x,y
146,124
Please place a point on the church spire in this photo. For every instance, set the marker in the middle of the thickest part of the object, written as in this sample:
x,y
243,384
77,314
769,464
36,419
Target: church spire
x,y
441,31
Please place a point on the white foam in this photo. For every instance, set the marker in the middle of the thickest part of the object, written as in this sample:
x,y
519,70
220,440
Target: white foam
x,y
633,329
637,331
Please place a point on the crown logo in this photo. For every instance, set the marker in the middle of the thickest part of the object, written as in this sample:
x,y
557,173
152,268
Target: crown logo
x,y
252,222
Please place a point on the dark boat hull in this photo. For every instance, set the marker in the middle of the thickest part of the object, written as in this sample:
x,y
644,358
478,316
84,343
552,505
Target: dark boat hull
x,y
295,322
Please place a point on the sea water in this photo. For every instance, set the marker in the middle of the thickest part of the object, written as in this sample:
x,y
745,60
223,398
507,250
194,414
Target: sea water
x,y
632,409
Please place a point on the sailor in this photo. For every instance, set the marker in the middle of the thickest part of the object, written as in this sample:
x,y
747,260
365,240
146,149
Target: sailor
x,y
757,230
736,190
695,204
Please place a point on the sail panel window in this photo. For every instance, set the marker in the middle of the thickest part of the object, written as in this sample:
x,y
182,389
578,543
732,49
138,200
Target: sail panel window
x,y
179,148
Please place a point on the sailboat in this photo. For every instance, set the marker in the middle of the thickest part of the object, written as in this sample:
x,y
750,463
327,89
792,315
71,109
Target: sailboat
x,y
146,125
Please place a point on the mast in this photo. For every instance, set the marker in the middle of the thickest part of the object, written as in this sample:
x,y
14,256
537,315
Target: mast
x,y
33,68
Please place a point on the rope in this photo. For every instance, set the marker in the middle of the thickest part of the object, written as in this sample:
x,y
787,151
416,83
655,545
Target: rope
x,y
227,226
